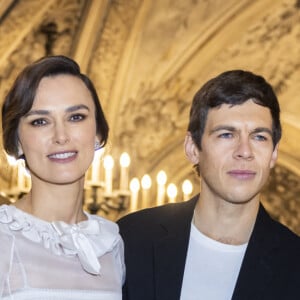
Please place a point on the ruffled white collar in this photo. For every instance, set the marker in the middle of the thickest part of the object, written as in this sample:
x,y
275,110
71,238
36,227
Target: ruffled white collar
x,y
88,240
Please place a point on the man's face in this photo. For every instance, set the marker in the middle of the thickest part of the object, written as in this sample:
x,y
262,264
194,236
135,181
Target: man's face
x,y
237,152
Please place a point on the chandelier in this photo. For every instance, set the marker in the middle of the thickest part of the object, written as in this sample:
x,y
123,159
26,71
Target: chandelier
x,y
108,187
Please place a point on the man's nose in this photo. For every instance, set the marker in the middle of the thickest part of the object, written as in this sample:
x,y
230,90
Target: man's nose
x,y
243,149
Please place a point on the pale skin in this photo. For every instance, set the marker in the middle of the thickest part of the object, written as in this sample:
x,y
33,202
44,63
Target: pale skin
x,y
57,137
235,161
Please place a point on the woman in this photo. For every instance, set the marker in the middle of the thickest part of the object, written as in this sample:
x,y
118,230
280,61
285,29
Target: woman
x,y
50,248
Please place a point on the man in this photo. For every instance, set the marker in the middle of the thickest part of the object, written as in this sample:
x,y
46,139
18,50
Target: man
x,y
221,244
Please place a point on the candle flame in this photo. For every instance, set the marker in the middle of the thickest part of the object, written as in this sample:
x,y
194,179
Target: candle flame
x,y
124,160
172,190
161,177
187,187
134,185
108,162
146,182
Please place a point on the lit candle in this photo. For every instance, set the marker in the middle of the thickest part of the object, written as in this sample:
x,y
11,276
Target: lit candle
x,y
134,188
13,163
21,176
124,163
187,189
172,192
27,179
96,166
146,185
108,164
161,179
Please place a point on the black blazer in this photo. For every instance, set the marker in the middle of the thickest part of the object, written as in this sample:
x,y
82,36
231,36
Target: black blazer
x,y
156,243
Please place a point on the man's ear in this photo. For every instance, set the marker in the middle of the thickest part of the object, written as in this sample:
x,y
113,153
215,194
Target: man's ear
x,y
191,150
274,156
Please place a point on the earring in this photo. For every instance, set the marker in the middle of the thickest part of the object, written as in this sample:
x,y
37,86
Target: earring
x,y
97,145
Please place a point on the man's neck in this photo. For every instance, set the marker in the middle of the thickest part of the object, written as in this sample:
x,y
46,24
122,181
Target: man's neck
x,y
227,223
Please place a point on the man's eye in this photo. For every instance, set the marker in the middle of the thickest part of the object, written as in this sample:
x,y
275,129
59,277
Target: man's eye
x,y
77,117
225,135
38,122
260,137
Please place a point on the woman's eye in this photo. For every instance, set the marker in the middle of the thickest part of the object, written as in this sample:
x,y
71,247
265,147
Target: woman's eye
x,y
77,117
38,122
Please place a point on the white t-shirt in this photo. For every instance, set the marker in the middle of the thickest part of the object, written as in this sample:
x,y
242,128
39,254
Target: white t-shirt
x,y
211,268
42,260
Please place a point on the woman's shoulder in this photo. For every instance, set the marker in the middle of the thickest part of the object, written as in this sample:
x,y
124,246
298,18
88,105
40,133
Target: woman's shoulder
x,y
105,223
6,239
6,249
5,219
108,236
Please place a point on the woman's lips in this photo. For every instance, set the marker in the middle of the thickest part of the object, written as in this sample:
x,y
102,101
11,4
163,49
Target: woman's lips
x,y
63,157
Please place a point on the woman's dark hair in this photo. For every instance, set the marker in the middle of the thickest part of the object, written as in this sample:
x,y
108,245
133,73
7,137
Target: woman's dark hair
x,y
20,97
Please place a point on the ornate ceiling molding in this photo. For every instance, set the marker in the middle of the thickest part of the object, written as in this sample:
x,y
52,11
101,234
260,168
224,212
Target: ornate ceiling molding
x,y
110,59
148,57
15,28
91,24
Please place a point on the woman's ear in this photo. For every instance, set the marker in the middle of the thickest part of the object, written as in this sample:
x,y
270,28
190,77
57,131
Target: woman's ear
x,y
97,145
191,150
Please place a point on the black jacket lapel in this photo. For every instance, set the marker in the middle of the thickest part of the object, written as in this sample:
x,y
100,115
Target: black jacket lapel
x,y
256,270
170,253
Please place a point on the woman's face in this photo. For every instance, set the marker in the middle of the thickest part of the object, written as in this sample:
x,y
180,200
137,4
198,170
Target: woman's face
x,y
58,134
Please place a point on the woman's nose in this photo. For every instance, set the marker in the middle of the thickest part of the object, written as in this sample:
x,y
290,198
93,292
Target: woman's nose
x,y
60,136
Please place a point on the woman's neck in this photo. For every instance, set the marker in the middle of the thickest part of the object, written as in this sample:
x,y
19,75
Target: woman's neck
x,y
54,202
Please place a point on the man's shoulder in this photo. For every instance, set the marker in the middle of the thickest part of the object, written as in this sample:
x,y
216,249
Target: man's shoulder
x,y
267,222
157,215
275,234
286,234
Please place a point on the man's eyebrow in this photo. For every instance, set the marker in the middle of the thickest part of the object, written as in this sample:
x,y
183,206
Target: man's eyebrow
x,y
263,129
47,112
223,127
233,129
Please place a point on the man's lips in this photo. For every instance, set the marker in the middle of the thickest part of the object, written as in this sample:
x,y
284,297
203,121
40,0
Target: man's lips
x,y
242,174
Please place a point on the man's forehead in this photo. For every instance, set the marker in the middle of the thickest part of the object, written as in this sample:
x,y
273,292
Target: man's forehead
x,y
248,112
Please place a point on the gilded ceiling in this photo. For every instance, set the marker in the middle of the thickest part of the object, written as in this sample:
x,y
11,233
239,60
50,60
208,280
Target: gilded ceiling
x,y
148,57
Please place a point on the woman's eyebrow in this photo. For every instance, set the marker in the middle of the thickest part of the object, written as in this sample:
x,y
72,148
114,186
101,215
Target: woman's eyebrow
x,y
37,112
77,107
47,112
